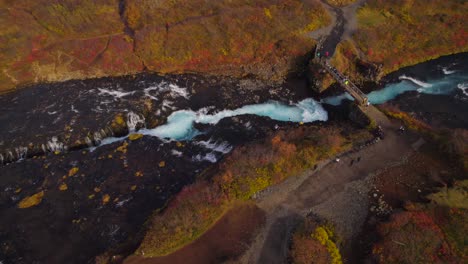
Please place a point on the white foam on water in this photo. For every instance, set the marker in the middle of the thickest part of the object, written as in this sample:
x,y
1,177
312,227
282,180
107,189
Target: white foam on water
x,y
114,93
167,105
97,137
97,109
221,147
210,157
121,203
178,91
73,109
174,90
55,145
446,71
463,87
416,81
21,153
176,153
133,120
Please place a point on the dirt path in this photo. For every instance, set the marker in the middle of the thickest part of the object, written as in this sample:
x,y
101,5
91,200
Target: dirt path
x,y
336,191
342,26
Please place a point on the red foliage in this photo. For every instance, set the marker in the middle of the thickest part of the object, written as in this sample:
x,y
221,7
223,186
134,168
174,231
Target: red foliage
x,y
415,237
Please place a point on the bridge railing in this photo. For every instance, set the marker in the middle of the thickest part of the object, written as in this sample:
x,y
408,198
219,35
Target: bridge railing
x,y
349,86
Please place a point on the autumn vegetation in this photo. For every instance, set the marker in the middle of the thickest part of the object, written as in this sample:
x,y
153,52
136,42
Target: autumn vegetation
x,y
454,197
314,243
340,2
434,233
263,38
60,40
406,32
245,172
46,41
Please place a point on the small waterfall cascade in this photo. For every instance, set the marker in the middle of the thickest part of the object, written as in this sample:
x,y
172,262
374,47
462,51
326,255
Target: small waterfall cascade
x,y
134,121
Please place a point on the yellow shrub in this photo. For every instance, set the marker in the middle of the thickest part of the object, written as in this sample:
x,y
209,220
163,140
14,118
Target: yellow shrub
x,y
73,171
267,13
32,200
324,236
63,187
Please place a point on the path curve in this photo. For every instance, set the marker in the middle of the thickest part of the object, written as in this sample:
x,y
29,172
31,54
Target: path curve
x,y
343,25
335,191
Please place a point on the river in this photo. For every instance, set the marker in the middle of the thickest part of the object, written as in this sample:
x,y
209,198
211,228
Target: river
x,y
55,134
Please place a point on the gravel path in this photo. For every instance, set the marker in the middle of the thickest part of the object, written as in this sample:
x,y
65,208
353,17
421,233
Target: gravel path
x,y
336,191
344,23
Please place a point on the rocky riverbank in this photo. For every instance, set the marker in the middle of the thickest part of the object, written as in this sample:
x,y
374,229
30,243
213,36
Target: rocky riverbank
x,y
94,193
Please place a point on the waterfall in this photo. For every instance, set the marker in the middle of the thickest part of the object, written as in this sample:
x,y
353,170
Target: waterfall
x,y
55,145
134,120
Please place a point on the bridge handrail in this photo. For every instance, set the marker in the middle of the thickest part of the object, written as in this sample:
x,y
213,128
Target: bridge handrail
x,y
351,87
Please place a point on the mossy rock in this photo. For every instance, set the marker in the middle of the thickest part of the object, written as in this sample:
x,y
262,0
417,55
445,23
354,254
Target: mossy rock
x,y
119,125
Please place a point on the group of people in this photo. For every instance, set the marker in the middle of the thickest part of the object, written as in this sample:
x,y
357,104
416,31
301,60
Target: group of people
x,y
352,161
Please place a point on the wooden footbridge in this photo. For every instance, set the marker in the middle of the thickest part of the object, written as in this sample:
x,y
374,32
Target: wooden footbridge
x,y
349,86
